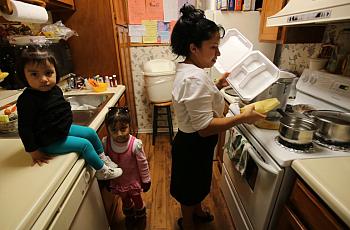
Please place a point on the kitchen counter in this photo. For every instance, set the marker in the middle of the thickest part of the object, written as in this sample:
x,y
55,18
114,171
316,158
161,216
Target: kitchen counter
x,y
25,190
329,178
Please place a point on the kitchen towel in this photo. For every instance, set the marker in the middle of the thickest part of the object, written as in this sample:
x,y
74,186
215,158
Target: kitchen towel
x,y
24,12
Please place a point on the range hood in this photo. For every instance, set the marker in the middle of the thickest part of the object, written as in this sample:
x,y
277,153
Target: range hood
x,y
310,11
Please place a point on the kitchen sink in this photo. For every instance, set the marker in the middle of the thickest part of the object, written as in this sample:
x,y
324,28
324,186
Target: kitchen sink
x,y
88,101
86,107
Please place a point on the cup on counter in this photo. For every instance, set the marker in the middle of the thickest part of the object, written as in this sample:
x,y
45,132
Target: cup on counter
x,y
317,63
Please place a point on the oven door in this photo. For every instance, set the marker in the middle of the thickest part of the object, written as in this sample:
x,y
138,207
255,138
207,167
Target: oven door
x,y
255,177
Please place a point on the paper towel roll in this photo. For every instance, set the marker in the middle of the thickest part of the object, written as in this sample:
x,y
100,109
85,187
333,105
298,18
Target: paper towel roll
x,y
24,12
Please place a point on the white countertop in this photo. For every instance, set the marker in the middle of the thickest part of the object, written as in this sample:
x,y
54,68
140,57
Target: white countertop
x,y
329,178
25,190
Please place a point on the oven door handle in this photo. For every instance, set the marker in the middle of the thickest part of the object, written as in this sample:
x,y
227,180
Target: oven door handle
x,y
262,164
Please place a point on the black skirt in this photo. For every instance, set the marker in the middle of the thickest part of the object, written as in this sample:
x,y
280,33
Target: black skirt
x,y
191,171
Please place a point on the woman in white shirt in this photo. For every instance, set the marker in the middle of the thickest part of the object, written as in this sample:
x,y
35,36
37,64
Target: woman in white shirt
x,y
199,107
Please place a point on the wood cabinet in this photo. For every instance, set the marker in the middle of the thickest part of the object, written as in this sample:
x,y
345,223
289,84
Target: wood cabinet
x,y
102,46
60,5
285,35
305,210
269,7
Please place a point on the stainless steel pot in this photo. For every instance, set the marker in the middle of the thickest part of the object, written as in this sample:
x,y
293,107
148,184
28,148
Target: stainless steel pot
x,y
280,90
332,125
297,130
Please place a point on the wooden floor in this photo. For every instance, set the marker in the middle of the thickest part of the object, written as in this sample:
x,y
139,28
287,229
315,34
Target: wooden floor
x,y
163,210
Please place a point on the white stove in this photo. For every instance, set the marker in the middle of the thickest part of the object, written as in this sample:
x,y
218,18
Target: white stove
x,y
256,194
321,91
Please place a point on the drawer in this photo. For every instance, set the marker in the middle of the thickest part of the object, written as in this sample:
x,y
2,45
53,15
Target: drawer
x,y
289,221
313,213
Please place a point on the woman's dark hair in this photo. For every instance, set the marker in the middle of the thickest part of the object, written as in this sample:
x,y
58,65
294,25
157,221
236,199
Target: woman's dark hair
x,y
37,56
115,115
192,27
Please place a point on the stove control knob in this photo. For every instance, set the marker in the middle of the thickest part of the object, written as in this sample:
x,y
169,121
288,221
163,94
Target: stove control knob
x,y
305,78
313,80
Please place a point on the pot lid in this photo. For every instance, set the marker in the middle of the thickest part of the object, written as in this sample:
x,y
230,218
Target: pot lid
x,y
251,72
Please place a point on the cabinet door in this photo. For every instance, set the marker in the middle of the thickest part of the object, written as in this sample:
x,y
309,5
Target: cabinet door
x,y
120,12
309,208
289,221
68,2
59,5
122,101
94,51
270,7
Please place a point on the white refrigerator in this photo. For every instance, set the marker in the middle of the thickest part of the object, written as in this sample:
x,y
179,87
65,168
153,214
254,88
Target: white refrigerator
x,y
247,22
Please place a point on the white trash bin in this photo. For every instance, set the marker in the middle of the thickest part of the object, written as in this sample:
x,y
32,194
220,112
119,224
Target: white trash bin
x,y
159,76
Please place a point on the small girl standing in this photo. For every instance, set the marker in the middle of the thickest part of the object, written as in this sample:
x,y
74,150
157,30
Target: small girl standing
x,y
127,151
45,118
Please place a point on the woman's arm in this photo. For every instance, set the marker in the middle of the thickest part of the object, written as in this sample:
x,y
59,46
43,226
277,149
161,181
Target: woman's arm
x,y
221,83
218,125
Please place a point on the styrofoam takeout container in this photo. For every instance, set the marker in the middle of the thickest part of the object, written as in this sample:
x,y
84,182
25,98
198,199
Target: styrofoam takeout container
x,y
251,72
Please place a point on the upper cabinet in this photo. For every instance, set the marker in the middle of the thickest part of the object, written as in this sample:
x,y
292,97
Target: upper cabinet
x,y
269,7
284,35
58,5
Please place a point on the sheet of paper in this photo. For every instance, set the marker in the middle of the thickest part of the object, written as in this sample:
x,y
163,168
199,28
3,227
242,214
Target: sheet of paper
x,y
171,10
164,36
151,27
137,30
163,26
136,39
136,11
150,39
154,10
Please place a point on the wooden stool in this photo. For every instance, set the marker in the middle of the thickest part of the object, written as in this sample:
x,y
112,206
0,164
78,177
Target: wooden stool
x,y
156,113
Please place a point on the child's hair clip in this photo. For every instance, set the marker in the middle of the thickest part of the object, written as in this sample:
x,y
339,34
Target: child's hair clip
x,y
119,109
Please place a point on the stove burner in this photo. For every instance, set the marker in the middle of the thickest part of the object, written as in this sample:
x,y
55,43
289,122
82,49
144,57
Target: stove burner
x,y
297,148
335,146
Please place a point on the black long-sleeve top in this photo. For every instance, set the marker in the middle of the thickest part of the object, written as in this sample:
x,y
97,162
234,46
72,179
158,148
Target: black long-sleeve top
x,y
43,117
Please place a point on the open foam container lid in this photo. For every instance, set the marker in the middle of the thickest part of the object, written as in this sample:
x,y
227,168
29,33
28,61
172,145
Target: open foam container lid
x,y
251,72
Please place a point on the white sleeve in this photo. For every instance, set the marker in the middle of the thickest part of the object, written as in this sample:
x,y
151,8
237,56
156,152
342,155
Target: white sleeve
x,y
197,98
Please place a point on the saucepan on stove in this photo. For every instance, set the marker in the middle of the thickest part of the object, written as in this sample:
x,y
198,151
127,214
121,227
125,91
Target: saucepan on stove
x,y
296,130
332,125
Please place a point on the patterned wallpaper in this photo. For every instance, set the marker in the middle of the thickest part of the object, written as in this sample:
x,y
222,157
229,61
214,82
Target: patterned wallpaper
x,y
295,57
140,55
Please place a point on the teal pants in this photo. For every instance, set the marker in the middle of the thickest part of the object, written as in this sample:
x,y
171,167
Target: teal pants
x,y
81,139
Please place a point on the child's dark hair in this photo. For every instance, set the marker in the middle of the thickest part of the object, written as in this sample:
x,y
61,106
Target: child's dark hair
x,y
37,56
117,114
192,27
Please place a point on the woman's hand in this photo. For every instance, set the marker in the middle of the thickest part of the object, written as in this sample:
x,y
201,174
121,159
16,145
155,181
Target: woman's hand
x,y
39,157
221,83
250,115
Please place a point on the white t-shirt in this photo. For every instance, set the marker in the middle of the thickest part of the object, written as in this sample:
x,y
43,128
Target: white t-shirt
x,y
196,98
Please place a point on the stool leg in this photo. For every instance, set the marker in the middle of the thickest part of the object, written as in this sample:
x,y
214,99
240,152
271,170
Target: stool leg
x,y
170,123
155,123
